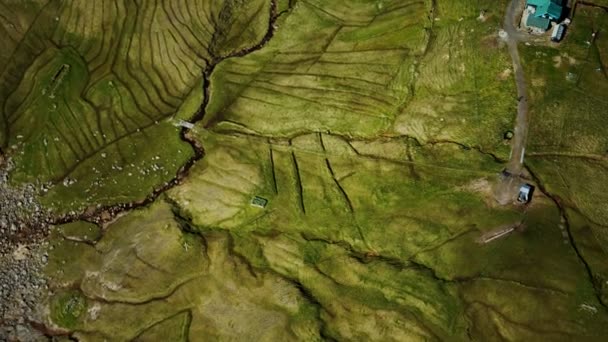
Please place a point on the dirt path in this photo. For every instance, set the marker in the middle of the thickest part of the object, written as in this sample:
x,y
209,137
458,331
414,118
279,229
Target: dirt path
x,y
513,36
506,190
498,233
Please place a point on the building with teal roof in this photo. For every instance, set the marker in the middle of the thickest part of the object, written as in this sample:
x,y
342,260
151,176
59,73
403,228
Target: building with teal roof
x,y
544,11
538,22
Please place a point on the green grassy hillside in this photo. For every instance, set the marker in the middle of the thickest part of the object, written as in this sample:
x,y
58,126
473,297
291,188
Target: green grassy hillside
x,y
339,179
92,92
568,149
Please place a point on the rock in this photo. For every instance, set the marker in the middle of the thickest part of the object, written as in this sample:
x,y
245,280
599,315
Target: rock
x,y
22,229
105,215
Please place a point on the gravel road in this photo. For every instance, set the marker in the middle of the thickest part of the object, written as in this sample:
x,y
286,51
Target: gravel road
x,y
521,123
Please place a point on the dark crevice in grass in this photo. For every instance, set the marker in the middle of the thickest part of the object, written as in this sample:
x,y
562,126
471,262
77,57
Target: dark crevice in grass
x,y
52,333
595,283
492,309
8,113
182,79
312,300
186,225
188,313
348,140
341,189
155,298
411,263
128,64
290,5
482,277
164,84
410,158
446,241
368,257
273,169
147,263
321,143
312,74
91,243
299,187
554,291
397,264
479,149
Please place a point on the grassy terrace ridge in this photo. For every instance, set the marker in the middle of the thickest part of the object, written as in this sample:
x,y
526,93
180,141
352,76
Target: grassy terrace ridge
x,y
376,69
92,91
370,131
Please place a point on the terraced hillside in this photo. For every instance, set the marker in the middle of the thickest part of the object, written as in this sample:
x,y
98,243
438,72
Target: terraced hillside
x,y
368,70
92,91
335,175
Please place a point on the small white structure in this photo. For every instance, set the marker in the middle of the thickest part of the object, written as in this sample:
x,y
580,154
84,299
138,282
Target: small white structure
x,y
259,202
525,193
185,124
558,32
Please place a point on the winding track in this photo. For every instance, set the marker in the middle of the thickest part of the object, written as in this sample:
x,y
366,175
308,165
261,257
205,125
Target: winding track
x,y
522,121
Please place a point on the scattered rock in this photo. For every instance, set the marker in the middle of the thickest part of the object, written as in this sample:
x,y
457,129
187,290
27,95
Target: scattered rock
x,y
23,227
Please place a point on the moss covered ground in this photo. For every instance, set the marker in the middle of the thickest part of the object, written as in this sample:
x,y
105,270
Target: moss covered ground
x,y
370,134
